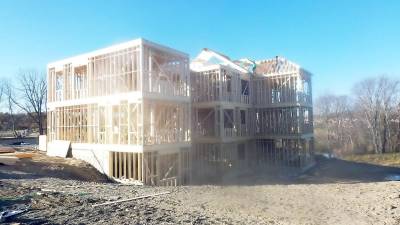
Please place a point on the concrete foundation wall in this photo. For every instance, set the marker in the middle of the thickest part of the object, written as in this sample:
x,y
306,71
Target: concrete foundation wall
x,y
98,158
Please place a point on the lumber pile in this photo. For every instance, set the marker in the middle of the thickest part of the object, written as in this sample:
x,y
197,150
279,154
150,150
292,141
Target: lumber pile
x,y
8,160
9,157
4,149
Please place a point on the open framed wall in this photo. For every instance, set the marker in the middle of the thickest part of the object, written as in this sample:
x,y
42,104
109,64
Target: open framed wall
x,y
98,75
212,161
293,152
131,102
152,168
276,121
293,120
282,89
220,84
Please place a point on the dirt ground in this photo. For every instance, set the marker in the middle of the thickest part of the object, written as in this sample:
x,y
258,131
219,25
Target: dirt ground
x,y
63,191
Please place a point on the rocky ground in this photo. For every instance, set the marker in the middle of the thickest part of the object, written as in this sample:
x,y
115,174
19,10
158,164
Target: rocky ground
x,y
334,192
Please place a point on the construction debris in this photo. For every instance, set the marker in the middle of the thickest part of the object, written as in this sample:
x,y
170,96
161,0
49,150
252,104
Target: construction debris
x,y
8,214
12,157
4,149
393,177
20,155
131,199
20,143
24,155
8,160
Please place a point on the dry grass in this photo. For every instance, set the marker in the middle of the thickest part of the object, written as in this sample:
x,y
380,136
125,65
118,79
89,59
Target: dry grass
x,y
387,159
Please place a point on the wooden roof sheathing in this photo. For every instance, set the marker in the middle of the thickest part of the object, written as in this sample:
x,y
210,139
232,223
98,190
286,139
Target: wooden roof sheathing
x,y
276,66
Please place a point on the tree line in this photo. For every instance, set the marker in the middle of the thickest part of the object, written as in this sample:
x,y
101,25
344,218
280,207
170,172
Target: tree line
x,y
368,120
23,100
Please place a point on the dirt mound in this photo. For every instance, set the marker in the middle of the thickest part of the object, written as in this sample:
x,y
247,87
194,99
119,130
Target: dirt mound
x,y
38,165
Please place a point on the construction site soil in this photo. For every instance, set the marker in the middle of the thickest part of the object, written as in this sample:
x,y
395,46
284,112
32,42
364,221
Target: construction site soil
x,y
65,191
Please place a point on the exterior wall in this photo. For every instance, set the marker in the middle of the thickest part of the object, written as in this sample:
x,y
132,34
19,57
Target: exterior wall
x,y
130,98
166,74
213,161
295,152
221,106
222,124
282,89
166,122
154,168
105,74
220,84
291,120
270,110
283,114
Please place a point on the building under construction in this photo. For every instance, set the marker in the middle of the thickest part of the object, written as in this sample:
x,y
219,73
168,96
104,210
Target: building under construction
x,y
249,114
141,111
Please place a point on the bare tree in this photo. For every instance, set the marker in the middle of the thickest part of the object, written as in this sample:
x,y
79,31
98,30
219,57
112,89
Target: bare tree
x,y
336,120
342,119
8,92
390,102
1,92
377,99
31,95
324,110
397,127
2,89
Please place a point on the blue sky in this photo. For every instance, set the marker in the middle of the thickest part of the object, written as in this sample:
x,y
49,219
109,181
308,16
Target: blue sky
x,y
340,42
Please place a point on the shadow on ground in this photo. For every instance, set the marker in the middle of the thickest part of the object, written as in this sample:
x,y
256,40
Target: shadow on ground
x,y
342,171
324,171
